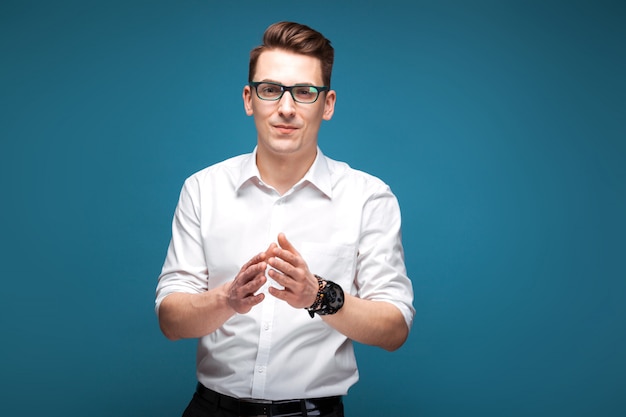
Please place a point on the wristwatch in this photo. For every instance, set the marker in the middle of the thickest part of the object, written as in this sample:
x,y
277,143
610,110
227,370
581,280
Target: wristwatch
x,y
329,298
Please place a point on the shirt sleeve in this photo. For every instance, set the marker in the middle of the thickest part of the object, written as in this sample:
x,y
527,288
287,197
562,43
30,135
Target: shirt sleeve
x,y
381,272
184,269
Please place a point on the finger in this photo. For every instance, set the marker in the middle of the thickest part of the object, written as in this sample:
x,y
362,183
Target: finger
x,y
253,300
253,270
280,278
251,277
280,269
244,305
290,297
286,257
245,295
280,294
284,243
255,283
271,247
259,257
258,278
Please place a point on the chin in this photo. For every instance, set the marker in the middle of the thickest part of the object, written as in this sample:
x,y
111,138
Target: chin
x,y
284,146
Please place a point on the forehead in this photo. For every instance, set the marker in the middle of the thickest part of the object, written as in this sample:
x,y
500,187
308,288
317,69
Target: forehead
x,y
288,68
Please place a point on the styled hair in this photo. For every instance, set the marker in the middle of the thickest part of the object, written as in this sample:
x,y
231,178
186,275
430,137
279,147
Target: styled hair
x,y
296,38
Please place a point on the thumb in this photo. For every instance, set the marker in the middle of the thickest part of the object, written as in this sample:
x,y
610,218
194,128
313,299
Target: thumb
x,y
284,243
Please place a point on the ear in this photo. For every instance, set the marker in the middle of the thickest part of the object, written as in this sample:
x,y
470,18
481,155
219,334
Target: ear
x,y
329,104
247,100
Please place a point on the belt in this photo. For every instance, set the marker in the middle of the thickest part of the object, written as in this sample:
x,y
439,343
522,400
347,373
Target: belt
x,y
267,408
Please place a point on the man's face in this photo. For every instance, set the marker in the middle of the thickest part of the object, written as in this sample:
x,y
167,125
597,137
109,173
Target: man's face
x,y
285,127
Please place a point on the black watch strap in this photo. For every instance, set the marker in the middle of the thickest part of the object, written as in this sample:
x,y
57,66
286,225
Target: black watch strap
x,y
329,298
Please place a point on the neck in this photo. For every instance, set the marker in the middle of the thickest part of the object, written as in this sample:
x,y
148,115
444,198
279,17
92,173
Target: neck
x,y
283,171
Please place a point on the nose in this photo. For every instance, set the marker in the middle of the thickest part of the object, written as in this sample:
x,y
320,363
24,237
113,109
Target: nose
x,y
286,105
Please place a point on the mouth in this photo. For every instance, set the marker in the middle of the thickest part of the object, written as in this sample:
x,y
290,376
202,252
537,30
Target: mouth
x,y
285,129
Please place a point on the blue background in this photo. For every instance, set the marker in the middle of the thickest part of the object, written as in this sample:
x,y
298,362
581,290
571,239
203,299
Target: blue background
x,y
500,125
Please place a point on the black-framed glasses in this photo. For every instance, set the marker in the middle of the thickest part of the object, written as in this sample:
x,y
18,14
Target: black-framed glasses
x,y
307,94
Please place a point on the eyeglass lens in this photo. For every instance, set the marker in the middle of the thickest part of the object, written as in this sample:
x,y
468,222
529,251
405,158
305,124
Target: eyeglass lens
x,y
300,93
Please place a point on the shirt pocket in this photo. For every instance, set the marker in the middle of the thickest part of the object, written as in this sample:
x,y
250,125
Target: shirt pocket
x,y
332,262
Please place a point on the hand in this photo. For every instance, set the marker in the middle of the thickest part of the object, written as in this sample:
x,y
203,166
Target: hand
x,y
250,278
291,271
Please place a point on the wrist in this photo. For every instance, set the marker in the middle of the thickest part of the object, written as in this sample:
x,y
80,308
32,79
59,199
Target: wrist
x,y
329,299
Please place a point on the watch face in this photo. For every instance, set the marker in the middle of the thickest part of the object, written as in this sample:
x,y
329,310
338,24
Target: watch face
x,y
330,298
335,296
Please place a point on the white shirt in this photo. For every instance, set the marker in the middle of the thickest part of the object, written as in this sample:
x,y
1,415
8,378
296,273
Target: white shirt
x,y
345,224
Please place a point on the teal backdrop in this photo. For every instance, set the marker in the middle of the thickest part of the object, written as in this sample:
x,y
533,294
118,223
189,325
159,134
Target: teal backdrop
x,y
500,125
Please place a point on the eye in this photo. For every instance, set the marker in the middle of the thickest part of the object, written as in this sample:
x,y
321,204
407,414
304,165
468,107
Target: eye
x,y
269,89
305,92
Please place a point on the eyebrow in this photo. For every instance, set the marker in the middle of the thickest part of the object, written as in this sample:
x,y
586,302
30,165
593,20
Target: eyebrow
x,y
278,82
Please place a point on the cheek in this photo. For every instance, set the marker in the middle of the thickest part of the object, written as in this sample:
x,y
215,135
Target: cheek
x,y
316,115
259,112
261,119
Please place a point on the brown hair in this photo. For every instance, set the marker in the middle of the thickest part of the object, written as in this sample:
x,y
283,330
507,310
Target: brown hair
x,y
297,38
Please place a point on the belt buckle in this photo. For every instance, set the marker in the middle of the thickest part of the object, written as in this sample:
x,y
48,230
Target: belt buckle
x,y
265,405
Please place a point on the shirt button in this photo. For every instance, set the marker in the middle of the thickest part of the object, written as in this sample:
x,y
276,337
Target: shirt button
x,y
266,326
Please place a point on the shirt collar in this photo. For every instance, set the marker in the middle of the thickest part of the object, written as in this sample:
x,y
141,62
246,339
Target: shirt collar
x,y
249,170
318,175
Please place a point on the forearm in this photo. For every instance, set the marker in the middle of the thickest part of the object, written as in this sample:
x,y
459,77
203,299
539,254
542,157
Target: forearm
x,y
183,315
375,323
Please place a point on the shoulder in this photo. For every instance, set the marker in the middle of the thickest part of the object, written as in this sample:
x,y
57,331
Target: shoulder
x,y
344,176
225,167
228,170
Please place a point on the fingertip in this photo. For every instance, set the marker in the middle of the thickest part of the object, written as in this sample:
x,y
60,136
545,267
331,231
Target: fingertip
x,y
283,242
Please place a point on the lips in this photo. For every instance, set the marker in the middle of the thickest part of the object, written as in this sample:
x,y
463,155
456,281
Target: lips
x,y
285,129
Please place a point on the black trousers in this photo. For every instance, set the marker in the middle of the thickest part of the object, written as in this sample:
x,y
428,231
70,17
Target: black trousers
x,y
205,406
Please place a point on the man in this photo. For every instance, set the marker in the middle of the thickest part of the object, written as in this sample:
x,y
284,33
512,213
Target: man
x,y
279,259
